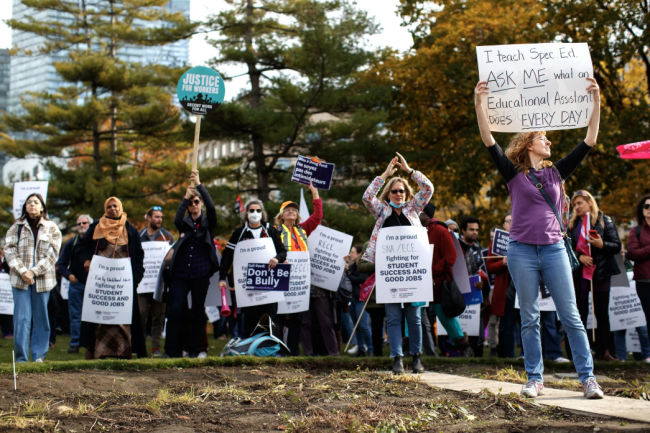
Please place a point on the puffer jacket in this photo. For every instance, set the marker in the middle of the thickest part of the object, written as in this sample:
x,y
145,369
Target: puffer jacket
x,y
381,211
604,258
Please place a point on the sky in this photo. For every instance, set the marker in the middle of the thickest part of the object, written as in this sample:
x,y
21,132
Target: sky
x,y
392,34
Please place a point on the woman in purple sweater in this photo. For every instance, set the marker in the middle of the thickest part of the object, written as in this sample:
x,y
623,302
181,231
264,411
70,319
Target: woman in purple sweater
x,y
536,238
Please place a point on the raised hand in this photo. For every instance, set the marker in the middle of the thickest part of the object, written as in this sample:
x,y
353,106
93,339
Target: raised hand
x,y
593,88
480,89
403,165
390,170
314,191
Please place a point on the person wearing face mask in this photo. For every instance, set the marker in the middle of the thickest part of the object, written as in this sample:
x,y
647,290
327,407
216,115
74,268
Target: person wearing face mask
x,y
255,226
193,262
453,227
537,236
112,236
397,206
32,246
71,267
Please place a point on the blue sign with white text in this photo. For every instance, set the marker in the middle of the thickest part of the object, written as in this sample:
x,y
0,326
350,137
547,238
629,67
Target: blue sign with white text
x,y
200,90
260,277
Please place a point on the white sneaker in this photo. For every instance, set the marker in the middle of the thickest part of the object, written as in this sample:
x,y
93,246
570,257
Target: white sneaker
x,y
203,355
647,360
39,359
592,389
186,354
532,389
561,360
353,350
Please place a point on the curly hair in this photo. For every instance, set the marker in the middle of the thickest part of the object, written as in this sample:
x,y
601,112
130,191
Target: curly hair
x,y
383,197
639,210
517,151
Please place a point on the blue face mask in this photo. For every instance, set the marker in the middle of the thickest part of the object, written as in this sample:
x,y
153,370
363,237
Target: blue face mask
x,y
397,206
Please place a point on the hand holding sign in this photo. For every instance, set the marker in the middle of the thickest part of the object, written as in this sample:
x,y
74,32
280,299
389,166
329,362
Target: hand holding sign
x,y
313,172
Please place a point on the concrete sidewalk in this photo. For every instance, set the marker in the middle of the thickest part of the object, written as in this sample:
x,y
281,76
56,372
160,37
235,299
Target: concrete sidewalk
x,y
619,407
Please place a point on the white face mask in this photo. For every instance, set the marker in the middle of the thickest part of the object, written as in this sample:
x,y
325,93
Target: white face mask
x,y
255,217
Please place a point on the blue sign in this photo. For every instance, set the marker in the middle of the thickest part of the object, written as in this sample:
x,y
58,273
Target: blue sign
x,y
200,90
500,242
319,173
476,295
260,277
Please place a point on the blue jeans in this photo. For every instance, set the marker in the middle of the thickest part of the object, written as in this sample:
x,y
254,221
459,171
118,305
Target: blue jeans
x,y
526,263
346,326
452,325
30,319
75,303
621,344
364,333
394,322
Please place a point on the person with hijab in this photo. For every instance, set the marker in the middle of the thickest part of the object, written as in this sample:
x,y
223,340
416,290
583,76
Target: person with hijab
x,y
32,246
112,236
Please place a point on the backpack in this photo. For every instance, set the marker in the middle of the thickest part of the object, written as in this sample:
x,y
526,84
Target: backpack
x,y
452,300
264,344
5,265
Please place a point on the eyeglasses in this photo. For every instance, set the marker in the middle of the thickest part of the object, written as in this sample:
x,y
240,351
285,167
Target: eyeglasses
x,y
156,208
646,206
254,210
507,221
543,138
82,224
397,191
195,202
34,202
455,231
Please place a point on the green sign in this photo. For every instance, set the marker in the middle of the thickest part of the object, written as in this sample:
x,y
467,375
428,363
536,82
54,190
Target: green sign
x,y
201,90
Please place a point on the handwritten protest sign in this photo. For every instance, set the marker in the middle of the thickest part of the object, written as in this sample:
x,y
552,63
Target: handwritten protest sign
x,y
253,251
108,297
319,173
469,321
6,295
536,86
327,248
625,310
154,254
403,265
296,300
260,277
500,242
22,190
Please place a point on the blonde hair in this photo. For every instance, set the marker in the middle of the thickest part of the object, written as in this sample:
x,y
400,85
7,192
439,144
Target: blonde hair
x,y
517,151
591,201
389,185
279,220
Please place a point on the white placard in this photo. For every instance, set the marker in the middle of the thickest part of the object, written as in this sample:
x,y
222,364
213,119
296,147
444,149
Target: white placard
x,y
625,310
253,251
327,248
592,322
461,275
536,86
545,304
108,297
6,295
154,254
212,313
469,321
403,265
632,342
22,190
296,300
65,287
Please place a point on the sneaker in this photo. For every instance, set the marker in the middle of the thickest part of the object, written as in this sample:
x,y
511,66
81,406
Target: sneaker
x,y
202,355
51,345
592,389
398,367
39,359
647,360
186,354
417,364
353,350
73,349
532,389
156,353
361,354
561,360
9,336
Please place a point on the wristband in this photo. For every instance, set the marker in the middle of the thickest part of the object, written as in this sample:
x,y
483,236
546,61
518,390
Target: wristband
x,y
411,173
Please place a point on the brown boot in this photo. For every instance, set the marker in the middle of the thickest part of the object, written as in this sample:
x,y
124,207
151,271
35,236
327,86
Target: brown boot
x,y
462,344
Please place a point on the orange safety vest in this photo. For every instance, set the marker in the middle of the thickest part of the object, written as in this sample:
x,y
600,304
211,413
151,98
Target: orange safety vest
x,y
288,240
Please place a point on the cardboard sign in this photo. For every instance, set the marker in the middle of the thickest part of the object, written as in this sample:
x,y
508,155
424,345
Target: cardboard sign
x,y
253,251
461,275
536,86
108,298
296,300
469,321
403,265
319,173
200,90
327,247
6,295
500,243
154,254
22,190
625,310
65,287
260,277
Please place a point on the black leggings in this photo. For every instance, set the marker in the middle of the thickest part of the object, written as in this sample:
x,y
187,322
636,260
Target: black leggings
x,y
377,315
601,309
643,290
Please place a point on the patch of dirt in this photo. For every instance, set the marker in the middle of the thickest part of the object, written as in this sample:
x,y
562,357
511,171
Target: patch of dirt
x,y
266,398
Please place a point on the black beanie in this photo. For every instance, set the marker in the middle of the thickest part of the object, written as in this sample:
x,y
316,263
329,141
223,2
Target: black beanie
x,y
430,210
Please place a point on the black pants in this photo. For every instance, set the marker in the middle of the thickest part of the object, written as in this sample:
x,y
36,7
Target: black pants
x,y
191,339
601,308
252,316
506,347
377,327
428,345
643,290
293,338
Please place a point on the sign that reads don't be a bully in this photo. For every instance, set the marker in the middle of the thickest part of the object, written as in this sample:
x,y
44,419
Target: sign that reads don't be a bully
x,y
200,90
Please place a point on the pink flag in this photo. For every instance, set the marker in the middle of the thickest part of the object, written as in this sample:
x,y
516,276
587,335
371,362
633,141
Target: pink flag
x,y
583,247
366,288
639,150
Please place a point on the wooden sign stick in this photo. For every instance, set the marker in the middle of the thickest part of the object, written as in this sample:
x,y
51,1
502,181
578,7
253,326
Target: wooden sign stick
x,y
195,152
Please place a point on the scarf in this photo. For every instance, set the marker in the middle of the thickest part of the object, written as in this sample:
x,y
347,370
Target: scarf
x,y
112,229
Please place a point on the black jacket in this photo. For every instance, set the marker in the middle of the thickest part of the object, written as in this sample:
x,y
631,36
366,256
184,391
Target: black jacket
x,y
207,226
71,260
604,258
243,233
356,278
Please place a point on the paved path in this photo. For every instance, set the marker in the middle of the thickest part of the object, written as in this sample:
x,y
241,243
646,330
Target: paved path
x,y
618,407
